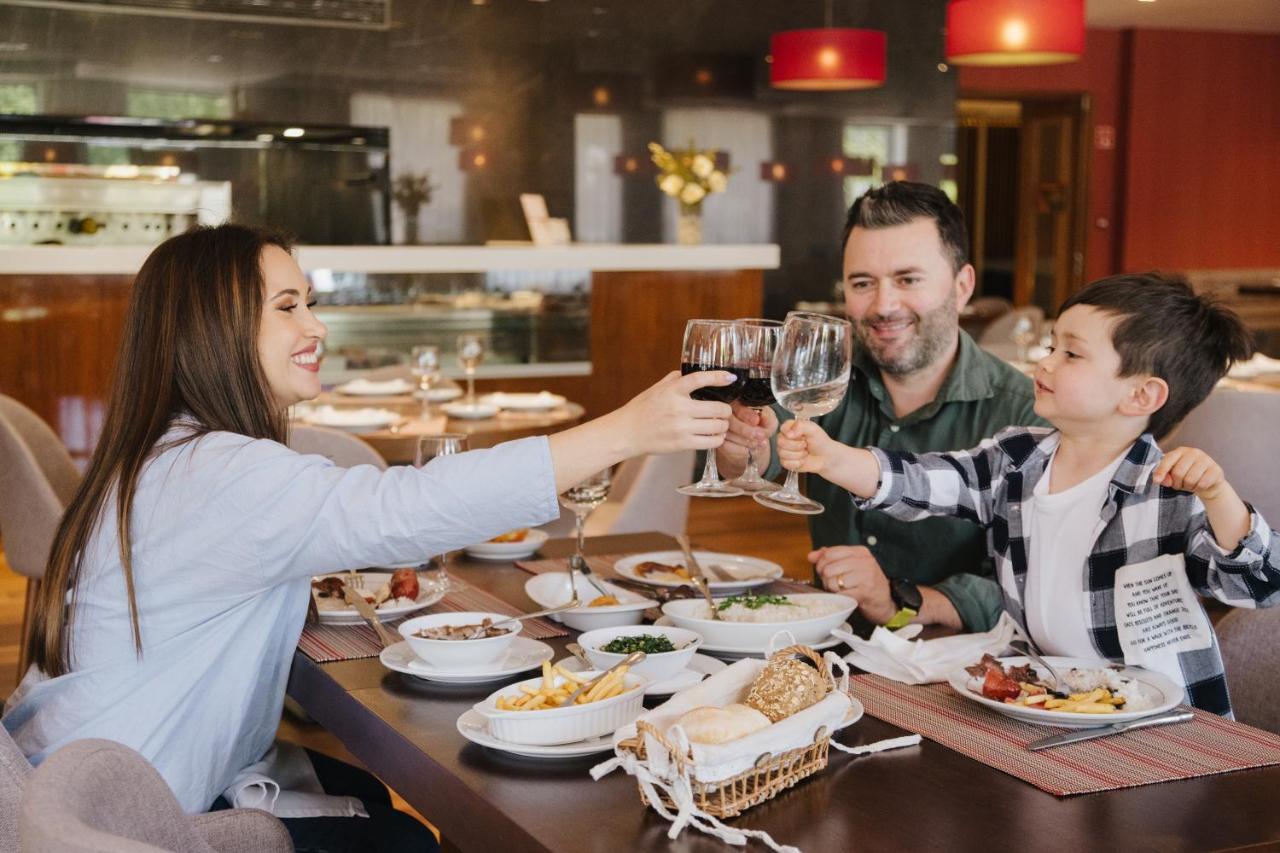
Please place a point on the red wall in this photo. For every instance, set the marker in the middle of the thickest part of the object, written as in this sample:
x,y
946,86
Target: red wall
x,y
1194,180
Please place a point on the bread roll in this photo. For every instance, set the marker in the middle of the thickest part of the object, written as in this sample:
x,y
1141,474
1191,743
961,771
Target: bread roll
x,y
721,725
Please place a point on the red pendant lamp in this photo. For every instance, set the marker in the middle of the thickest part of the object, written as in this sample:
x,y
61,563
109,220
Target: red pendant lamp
x,y
827,60
1014,32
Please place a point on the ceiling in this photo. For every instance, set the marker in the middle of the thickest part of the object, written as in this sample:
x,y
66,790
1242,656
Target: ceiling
x,y
1262,16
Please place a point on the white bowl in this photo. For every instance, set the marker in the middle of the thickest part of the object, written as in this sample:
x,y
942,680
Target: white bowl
x,y
527,546
563,725
458,654
551,589
691,614
655,667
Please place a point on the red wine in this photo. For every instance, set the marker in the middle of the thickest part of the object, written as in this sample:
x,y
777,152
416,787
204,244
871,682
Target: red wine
x,y
716,393
757,392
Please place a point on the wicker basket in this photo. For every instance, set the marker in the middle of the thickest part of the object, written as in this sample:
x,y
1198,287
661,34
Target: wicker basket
x,y
771,773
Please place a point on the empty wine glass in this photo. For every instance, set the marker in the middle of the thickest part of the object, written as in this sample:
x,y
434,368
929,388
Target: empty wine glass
x,y
470,356
1024,335
758,340
428,448
425,364
581,500
810,376
712,345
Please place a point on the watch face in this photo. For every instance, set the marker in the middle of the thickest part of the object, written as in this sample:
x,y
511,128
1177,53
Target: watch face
x,y
906,594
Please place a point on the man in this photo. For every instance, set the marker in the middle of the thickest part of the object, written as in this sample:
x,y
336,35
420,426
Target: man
x,y
919,383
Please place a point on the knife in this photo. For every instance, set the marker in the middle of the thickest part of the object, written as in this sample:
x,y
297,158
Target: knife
x,y
1105,731
365,609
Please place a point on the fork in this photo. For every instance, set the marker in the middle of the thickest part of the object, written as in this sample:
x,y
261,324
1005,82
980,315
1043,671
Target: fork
x,y
578,564
1025,648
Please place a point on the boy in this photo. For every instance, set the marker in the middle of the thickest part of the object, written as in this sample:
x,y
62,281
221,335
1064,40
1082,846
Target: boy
x,y
1100,540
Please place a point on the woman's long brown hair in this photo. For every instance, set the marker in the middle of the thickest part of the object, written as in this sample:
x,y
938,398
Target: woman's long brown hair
x,y
190,347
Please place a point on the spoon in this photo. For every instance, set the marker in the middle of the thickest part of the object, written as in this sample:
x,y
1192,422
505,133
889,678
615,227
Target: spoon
x,y
700,584
634,657
572,603
580,653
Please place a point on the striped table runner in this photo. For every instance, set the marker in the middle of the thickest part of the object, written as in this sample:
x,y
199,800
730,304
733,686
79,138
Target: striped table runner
x,y
1203,747
602,564
327,643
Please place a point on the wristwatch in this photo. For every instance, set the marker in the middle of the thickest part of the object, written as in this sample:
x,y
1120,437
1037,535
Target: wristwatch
x,y
907,598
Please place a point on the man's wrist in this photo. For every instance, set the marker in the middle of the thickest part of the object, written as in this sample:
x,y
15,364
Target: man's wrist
x,y
937,609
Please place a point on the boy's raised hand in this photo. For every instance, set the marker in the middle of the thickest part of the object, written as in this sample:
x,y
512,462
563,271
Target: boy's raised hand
x,y
1188,469
805,447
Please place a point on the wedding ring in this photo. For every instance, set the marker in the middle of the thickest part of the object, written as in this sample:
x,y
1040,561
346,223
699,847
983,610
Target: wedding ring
x,y
840,582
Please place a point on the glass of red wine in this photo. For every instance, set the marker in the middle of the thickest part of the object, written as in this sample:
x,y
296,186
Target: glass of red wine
x,y
758,340
712,345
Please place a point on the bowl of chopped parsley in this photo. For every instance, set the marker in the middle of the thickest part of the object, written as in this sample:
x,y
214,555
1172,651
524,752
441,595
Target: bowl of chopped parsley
x,y
667,649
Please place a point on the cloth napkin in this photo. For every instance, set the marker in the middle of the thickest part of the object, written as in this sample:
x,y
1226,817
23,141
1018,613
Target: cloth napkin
x,y
897,656
285,783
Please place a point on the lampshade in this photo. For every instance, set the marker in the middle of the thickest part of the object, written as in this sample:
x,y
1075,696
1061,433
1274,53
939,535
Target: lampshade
x,y
1014,32
827,59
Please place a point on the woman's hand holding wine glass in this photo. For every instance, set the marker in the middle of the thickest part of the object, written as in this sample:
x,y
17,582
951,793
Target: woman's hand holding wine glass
x,y
713,345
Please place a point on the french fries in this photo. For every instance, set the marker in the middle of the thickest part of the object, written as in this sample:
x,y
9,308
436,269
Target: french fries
x,y
557,684
1097,701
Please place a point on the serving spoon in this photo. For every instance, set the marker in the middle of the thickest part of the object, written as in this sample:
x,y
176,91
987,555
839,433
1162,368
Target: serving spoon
x,y
559,608
634,657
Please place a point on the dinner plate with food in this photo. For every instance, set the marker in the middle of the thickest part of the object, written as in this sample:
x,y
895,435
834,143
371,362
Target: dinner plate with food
x,y
512,545
1094,693
615,606
728,573
522,655
392,594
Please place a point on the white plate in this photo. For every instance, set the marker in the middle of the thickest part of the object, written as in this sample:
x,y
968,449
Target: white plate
x,y
691,613
525,654
442,394
700,666
349,420
428,594
551,589
735,652
470,411
761,571
1161,689
475,728
369,388
524,402
509,550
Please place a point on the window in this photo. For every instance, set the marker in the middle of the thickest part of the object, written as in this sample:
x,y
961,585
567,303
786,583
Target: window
x,y
173,104
871,141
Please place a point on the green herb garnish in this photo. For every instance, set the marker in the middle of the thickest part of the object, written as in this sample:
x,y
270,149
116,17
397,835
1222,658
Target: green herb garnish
x,y
647,643
751,601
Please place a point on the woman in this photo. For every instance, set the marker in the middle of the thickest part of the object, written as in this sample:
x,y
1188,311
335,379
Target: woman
x,y
178,580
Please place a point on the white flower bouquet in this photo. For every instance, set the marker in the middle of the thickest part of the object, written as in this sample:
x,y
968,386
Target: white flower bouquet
x,y
688,175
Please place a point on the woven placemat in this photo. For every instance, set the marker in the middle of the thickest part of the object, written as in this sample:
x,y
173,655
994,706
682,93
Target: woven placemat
x,y
327,643
602,564
1204,746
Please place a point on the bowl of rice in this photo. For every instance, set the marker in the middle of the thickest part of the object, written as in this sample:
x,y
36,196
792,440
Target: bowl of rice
x,y
749,621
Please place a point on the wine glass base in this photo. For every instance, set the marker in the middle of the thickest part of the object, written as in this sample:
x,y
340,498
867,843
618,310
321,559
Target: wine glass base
x,y
798,504
758,484
710,490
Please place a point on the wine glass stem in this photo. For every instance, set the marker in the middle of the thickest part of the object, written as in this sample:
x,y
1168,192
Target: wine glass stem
x,y
710,473
792,484
580,523
753,468
471,387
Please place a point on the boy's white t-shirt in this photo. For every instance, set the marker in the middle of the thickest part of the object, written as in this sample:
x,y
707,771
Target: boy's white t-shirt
x,y
1063,528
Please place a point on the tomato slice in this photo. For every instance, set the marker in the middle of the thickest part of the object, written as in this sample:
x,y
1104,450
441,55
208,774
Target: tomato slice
x,y
999,687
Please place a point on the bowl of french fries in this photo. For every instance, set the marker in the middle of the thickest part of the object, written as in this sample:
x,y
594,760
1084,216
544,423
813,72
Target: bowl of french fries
x,y
538,712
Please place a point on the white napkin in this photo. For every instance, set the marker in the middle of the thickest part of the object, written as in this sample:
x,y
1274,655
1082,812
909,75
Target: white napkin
x,y
896,656
285,784
367,386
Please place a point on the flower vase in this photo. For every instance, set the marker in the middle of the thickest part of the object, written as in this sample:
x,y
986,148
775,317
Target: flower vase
x,y
689,225
411,226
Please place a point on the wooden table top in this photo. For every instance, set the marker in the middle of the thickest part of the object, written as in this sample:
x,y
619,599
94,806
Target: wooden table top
x,y
919,798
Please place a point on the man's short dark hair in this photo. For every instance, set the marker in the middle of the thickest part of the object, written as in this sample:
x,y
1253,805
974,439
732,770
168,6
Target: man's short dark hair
x,y
901,202
1168,330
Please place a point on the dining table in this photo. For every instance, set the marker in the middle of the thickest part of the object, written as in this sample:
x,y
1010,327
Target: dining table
x,y
917,798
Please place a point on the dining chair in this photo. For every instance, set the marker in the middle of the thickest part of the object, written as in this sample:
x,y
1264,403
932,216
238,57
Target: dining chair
x,y
37,481
15,770
341,448
643,498
99,795
1250,642
1239,430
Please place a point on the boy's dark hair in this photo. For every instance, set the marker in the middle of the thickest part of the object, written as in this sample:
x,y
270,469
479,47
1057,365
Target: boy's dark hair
x,y
900,202
1168,330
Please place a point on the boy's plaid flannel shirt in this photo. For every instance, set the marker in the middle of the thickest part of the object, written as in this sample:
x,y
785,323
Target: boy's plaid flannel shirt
x,y
990,485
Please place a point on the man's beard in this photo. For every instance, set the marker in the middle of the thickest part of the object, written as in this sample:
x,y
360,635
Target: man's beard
x,y
934,332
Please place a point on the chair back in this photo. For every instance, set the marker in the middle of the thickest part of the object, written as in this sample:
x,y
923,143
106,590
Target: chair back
x,y
341,448
14,772
1239,430
37,479
643,498
1250,642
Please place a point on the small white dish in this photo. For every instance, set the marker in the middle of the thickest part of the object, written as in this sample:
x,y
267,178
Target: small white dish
x,y
700,666
526,547
655,667
1160,690
538,402
525,654
465,655
552,589
470,411
749,572
428,594
440,394
475,728
370,388
830,642
350,420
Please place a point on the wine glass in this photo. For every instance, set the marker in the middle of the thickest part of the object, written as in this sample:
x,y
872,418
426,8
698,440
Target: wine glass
x,y
810,376
425,364
712,345
470,355
1024,334
759,341
581,500
429,447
